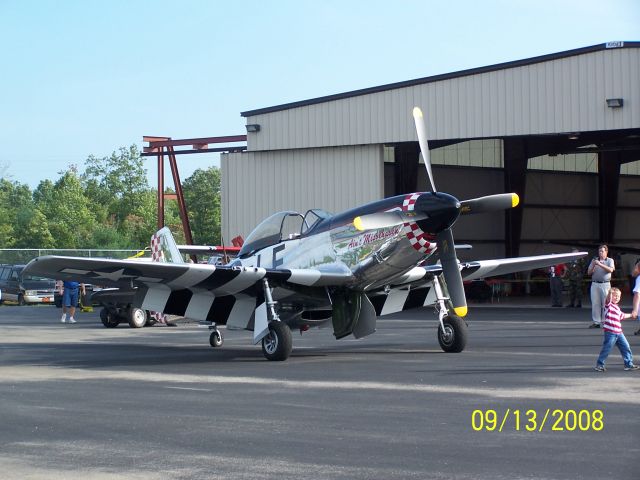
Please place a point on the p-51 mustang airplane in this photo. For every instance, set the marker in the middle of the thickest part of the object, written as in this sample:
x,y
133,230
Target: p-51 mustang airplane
x,y
296,271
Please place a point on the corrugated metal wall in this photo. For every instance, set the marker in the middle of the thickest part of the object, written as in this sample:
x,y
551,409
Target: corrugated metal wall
x,y
562,95
255,185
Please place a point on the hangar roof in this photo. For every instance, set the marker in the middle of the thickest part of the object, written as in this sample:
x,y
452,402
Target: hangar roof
x,y
550,95
445,76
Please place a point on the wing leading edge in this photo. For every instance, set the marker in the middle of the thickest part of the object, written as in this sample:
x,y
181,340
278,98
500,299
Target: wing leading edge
x,y
413,289
222,294
487,268
218,280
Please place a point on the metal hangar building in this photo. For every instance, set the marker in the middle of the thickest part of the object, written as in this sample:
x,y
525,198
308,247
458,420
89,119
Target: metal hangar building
x,y
561,130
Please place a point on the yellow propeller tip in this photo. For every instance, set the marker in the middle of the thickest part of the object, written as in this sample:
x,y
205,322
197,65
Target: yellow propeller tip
x,y
357,222
417,112
460,311
515,200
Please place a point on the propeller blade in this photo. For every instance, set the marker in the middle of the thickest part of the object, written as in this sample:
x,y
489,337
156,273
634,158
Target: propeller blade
x,y
421,130
490,203
451,271
386,219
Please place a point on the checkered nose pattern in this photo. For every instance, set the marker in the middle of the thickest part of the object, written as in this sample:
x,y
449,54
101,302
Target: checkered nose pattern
x,y
442,210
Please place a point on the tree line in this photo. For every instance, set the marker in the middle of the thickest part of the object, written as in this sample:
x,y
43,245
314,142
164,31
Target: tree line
x,y
106,204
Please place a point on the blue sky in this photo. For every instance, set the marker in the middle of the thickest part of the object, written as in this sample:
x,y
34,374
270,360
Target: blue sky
x,y
87,77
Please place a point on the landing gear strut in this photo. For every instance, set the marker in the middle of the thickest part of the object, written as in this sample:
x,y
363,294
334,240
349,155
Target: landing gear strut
x,y
278,343
452,331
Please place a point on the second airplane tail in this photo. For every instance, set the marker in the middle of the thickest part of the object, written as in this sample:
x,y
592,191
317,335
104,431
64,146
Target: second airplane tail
x,y
164,248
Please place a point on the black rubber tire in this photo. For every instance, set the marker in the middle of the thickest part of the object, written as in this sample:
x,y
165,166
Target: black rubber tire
x,y
109,318
278,343
150,320
216,339
136,317
454,337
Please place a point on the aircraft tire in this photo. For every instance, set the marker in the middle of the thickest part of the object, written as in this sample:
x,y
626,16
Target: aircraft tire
x,y
454,337
137,317
216,339
278,343
150,320
109,318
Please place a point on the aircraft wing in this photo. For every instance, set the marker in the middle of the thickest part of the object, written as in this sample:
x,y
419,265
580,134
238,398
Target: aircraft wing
x,y
201,292
613,247
413,289
207,249
488,268
219,280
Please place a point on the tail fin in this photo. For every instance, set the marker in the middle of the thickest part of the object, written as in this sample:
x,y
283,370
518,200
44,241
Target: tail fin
x,y
164,248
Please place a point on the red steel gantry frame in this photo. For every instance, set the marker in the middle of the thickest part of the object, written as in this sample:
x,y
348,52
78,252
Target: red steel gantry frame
x,y
161,146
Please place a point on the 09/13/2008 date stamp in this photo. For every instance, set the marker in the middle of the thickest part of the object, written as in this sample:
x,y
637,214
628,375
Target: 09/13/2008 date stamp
x,y
531,420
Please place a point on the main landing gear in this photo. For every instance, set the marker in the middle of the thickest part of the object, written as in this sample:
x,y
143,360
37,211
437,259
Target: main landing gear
x,y
453,330
112,316
278,343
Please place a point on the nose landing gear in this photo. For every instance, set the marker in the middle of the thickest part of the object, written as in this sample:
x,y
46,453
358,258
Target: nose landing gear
x,y
453,330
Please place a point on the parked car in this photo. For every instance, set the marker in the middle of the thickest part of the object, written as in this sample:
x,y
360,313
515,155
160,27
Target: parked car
x,y
24,289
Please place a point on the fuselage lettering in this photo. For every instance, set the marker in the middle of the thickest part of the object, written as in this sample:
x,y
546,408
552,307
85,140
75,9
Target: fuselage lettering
x,y
277,261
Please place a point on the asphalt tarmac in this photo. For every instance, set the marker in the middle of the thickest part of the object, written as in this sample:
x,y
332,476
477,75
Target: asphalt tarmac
x,y
83,401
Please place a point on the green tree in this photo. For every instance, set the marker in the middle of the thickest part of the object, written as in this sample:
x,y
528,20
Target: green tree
x,y
116,181
202,196
32,229
7,238
14,198
68,212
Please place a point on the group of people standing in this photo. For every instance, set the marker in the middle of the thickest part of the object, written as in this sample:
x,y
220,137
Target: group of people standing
x,y
605,311
600,269
573,273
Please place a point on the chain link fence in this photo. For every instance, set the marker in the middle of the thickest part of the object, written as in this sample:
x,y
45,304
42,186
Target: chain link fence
x,y
17,256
